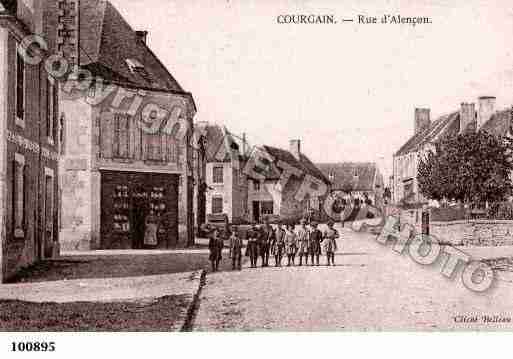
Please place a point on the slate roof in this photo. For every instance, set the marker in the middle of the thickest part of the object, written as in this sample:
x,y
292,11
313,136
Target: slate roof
x,y
304,163
219,142
344,175
439,127
449,125
107,41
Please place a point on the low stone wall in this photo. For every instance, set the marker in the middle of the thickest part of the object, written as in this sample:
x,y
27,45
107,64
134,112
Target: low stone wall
x,y
476,232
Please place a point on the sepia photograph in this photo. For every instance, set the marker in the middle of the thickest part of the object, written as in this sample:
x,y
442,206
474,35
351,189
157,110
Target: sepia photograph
x,y
210,166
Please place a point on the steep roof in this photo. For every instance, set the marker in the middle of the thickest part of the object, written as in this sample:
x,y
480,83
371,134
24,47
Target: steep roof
x,y
499,123
107,41
449,125
221,144
303,163
438,128
214,139
360,176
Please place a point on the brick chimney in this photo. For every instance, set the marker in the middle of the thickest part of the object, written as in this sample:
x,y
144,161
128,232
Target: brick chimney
x,y
295,148
142,35
422,120
467,115
486,110
68,30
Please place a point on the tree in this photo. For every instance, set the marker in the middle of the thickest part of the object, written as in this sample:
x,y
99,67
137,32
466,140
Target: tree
x,y
471,168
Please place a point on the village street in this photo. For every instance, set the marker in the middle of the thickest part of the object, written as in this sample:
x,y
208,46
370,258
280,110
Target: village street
x,y
371,288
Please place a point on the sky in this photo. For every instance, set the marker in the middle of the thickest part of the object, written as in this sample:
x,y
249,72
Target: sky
x,y
347,90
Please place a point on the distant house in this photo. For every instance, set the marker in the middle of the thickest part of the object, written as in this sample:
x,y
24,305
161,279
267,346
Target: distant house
x,y
227,185
360,180
427,133
270,195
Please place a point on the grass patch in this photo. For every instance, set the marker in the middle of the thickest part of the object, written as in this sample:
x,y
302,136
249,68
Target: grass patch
x,y
159,314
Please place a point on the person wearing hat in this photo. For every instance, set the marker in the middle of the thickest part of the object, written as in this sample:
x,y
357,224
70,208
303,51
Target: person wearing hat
x,y
266,238
278,245
215,246
235,249
252,249
330,243
290,244
303,240
315,243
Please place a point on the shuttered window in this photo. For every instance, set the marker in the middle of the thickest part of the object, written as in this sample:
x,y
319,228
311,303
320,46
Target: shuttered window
x,y
121,136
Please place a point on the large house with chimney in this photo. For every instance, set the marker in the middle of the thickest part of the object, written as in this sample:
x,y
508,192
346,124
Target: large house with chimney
x,y
123,160
29,141
283,184
427,132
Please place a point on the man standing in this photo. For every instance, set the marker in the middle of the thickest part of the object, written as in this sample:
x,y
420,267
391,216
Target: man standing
x,y
278,245
236,249
215,245
267,236
252,249
315,243
303,242
330,243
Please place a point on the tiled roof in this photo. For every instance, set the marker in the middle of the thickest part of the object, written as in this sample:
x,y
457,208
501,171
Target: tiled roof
x,y
214,139
344,175
303,163
439,127
107,41
499,123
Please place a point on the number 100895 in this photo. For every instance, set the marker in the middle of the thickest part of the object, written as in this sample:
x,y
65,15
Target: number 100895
x,y
33,346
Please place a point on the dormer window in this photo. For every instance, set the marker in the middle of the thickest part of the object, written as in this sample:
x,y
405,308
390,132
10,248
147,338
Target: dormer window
x,y
356,172
137,68
331,176
133,65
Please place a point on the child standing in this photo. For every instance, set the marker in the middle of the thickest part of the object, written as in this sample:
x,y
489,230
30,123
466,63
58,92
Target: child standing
x,y
290,244
236,249
330,243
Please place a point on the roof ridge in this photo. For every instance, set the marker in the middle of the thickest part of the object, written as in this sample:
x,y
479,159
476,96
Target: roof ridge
x,y
102,22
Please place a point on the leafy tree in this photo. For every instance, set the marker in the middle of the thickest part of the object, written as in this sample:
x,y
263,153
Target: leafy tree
x,y
471,168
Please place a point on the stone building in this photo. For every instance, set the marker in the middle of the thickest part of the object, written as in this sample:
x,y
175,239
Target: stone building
x,y
29,143
360,180
227,184
284,184
127,128
427,132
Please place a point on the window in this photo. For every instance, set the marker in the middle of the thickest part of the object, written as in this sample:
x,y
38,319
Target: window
x,y
217,205
408,188
20,90
267,207
49,186
121,136
217,174
51,110
137,68
18,181
256,185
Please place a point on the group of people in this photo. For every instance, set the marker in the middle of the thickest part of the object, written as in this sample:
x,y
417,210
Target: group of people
x,y
284,241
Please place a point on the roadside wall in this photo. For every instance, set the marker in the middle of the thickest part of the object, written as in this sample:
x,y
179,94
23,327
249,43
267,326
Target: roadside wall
x,y
474,232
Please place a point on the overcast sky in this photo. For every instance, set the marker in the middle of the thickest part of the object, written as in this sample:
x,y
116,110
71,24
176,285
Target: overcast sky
x,y
348,91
